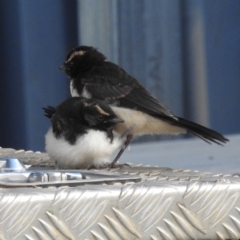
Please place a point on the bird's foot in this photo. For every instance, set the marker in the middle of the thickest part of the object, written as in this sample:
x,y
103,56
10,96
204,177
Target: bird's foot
x,y
56,165
118,165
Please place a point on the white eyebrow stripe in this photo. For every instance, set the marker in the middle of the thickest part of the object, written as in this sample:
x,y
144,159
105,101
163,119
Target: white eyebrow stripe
x,y
79,53
100,110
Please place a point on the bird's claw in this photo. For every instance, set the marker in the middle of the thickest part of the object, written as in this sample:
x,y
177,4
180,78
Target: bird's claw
x,y
118,165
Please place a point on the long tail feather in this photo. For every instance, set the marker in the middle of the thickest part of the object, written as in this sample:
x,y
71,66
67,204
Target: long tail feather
x,y
202,132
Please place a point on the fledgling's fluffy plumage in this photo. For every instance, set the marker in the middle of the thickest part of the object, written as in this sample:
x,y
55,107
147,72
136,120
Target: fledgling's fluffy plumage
x,y
81,134
92,76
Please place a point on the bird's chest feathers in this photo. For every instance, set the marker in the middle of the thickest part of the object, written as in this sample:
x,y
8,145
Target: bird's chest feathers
x,y
74,91
94,140
89,149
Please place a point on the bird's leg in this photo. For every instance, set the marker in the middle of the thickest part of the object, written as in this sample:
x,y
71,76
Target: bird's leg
x,y
56,165
128,140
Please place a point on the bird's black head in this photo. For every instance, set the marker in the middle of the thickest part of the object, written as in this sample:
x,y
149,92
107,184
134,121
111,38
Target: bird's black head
x,y
99,115
76,115
81,59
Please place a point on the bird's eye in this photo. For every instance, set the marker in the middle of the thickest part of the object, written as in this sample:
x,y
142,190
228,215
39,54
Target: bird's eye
x,y
100,117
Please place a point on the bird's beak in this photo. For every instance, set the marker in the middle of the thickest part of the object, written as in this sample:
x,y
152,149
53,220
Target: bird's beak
x,y
62,68
116,120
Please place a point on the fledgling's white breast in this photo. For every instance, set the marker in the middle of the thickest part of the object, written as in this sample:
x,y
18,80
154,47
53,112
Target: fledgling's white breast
x,y
91,149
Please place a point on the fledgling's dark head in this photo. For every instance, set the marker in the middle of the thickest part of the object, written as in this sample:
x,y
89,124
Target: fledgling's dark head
x,y
80,59
76,115
99,115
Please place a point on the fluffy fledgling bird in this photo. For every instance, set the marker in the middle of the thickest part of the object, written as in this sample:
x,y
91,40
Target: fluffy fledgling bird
x,y
81,134
92,76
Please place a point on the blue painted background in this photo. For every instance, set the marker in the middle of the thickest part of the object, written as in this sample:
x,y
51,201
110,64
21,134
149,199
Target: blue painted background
x,y
186,52
35,36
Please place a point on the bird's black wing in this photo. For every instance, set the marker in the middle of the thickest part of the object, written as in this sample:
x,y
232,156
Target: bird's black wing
x,y
112,83
59,125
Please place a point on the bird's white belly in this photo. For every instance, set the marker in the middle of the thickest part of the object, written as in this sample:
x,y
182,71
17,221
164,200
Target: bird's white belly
x,y
91,149
143,123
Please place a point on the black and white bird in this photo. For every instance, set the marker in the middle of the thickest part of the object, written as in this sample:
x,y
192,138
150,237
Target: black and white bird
x,y
92,76
81,134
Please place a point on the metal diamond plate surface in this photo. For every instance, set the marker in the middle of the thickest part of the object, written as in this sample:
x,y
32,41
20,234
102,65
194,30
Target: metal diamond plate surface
x,y
165,204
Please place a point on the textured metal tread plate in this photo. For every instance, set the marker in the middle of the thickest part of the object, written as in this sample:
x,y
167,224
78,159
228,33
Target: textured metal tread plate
x,y
167,204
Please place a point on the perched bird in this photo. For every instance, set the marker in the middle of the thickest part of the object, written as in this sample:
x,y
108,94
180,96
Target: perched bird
x,y
81,134
92,76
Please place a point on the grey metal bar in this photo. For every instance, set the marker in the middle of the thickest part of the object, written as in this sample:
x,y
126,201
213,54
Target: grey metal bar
x,y
196,81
